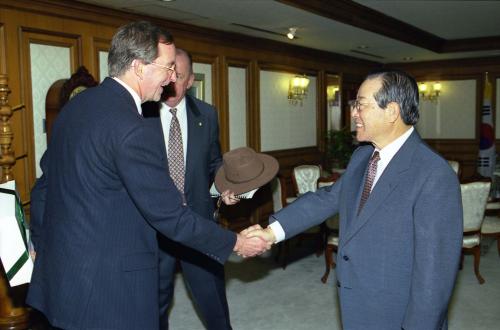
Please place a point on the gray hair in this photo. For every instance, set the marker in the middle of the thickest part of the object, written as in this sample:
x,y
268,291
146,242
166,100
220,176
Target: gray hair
x,y
136,40
401,88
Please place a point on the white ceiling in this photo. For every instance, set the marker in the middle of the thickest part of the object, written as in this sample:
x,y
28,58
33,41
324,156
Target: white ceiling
x,y
444,19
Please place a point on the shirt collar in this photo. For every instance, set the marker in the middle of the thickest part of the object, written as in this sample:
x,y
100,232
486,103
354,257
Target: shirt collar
x,y
135,96
392,148
181,108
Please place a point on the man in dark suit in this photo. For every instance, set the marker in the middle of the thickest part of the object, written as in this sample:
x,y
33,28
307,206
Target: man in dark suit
x,y
202,158
106,196
400,216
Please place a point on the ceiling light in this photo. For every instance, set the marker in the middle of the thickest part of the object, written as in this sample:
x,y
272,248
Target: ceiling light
x,y
291,33
407,58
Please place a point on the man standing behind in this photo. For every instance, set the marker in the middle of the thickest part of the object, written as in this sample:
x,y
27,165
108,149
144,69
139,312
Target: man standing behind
x,y
104,195
400,216
201,157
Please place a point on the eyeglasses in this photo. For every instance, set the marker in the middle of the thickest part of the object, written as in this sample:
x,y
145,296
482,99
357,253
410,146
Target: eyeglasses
x,y
357,105
169,69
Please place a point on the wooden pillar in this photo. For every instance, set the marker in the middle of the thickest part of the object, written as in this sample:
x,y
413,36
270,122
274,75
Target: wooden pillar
x,y
11,317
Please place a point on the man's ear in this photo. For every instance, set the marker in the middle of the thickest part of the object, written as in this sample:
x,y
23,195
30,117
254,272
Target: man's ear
x,y
138,66
190,81
392,112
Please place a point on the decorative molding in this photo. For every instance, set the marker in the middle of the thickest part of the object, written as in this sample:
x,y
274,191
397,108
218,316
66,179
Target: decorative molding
x,y
355,14
114,18
28,36
99,45
245,65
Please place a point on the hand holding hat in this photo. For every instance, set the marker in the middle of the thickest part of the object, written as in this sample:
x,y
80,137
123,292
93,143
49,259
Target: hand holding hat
x,y
244,170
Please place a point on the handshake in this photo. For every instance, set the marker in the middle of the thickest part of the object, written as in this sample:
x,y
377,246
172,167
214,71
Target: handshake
x,y
254,241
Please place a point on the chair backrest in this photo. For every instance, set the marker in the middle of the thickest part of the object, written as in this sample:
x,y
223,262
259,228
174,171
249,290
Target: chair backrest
x,y
305,178
278,194
474,198
454,165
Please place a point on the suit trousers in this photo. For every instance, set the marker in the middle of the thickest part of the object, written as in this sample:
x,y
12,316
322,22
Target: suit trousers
x,y
204,279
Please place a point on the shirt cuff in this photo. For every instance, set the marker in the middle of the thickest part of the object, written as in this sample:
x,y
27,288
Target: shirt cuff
x,y
278,231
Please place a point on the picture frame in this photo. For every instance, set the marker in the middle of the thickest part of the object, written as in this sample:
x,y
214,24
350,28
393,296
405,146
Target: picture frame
x,y
198,88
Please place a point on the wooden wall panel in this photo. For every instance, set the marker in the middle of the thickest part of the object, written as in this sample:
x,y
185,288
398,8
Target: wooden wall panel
x,y
98,45
27,37
463,151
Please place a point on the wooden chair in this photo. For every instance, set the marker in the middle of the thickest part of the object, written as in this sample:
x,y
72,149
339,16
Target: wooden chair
x,y
474,198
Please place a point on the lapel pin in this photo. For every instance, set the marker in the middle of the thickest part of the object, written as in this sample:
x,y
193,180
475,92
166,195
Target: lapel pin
x,y
200,124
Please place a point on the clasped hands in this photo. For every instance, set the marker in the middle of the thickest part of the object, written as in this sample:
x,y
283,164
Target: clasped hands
x,y
254,241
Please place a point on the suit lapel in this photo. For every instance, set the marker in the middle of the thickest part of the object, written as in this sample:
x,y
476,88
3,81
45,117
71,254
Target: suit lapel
x,y
387,182
195,124
353,189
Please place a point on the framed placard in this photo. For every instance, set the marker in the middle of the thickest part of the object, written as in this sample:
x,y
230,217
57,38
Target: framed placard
x,y
198,88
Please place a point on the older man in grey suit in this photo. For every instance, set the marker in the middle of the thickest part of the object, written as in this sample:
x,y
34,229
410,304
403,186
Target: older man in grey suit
x,y
400,216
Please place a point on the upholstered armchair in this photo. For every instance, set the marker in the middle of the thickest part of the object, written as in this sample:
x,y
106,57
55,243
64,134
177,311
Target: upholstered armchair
x,y
491,228
331,231
305,178
474,198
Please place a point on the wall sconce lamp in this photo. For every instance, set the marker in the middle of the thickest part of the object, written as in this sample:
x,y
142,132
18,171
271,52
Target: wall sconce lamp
x,y
297,89
332,95
430,93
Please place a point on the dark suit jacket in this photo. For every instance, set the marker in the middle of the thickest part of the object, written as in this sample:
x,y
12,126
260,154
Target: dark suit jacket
x,y
107,195
397,261
203,152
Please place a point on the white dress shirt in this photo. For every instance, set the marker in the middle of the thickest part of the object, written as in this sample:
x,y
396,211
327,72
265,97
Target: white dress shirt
x,y
386,155
136,97
166,118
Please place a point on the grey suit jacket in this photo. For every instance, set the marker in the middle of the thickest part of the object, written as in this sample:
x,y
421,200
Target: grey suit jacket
x,y
397,261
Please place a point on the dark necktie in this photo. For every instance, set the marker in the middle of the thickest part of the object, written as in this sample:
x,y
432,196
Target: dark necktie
x,y
175,152
370,176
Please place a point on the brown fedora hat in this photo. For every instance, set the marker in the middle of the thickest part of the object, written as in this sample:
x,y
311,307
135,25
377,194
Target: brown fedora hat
x,y
244,170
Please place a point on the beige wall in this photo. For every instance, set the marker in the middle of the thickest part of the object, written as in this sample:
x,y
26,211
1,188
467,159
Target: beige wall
x,y
453,115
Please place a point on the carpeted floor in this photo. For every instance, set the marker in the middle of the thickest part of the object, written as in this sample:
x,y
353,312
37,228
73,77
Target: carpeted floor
x,y
263,296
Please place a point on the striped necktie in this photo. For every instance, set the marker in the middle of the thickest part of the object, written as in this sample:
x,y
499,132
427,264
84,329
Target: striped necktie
x,y
370,176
